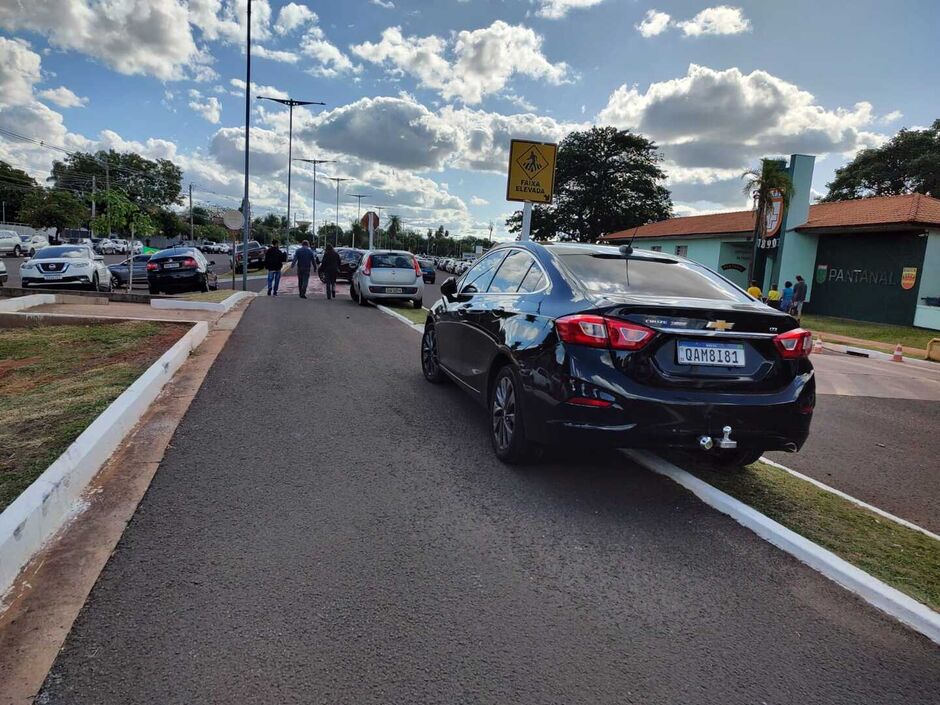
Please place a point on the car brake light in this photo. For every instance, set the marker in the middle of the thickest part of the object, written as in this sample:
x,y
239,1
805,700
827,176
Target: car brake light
x,y
794,344
418,273
589,401
189,262
601,332
152,266
367,267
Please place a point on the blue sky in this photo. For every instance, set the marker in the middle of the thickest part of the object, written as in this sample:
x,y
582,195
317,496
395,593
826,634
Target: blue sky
x,y
423,97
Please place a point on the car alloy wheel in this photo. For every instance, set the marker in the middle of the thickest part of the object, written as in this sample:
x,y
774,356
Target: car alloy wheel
x,y
16,251
504,414
430,362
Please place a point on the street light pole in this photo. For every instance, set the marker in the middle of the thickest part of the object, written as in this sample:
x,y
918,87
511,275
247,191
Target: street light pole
x,y
337,180
290,103
359,196
246,211
315,162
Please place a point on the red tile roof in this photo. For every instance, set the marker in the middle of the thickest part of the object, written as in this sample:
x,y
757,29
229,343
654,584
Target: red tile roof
x,y
911,209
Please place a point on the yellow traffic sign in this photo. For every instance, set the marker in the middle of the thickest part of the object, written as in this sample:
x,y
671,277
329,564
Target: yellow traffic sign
x,y
531,171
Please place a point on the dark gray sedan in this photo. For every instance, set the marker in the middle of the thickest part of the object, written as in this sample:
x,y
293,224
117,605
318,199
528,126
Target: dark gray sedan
x,y
122,275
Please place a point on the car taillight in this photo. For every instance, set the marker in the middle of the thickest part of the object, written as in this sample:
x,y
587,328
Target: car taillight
x,y
417,268
152,266
189,262
794,344
602,332
367,267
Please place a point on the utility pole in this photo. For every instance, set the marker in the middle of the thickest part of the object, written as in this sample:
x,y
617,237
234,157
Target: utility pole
x,y
313,220
246,211
107,186
92,205
290,103
336,232
192,229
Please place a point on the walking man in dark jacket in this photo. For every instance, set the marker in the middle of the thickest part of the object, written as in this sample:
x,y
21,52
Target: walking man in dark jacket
x,y
799,296
330,268
304,260
274,259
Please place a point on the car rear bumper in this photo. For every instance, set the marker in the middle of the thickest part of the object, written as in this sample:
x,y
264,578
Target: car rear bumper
x,y
398,292
175,280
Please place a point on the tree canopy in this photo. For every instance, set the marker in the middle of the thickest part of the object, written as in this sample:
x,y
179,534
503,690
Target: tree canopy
x,y
148,184
15,186
605,180
907,163
47,208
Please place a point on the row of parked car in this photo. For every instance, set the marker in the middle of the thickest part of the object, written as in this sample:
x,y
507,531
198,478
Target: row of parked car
x,y
451,265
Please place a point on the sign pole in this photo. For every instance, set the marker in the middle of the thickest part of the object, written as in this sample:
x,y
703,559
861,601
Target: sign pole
x,y
526,221
371,232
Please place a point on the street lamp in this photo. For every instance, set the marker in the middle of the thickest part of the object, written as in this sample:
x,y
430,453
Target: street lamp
x,y
314,219
290,103
359,196
337,180
246,211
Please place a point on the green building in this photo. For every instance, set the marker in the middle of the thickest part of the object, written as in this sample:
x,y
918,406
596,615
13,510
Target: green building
x,y
871,259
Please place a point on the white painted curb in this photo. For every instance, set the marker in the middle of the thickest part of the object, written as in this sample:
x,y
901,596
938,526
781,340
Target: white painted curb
x,y
403,319
21,303
850,498
184,305
47,504
886,598
876,355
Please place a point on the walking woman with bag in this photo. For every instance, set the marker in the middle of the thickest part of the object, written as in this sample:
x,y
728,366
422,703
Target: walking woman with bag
x,y
330,268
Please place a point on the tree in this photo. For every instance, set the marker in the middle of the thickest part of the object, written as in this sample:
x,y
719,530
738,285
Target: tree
x,y
122,216
760,184
908,163
331,233
147,183
47,208
15,186
201,215
605,180
394,226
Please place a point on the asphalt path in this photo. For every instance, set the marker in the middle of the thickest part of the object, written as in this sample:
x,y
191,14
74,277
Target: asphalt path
x,y
326,527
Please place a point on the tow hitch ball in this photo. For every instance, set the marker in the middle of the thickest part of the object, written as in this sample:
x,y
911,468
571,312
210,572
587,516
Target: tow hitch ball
x,y
707,442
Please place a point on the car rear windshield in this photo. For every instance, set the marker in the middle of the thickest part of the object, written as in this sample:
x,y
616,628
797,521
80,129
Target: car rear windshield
x,y
62,252
390,260
616,275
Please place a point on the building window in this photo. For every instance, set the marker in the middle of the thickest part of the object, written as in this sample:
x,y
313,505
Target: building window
x,y
682,250
656,248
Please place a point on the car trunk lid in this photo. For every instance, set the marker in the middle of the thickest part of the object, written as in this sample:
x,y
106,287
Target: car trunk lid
x,y
392,269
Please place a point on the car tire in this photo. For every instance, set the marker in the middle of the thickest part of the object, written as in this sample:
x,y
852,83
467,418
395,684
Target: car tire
x,y
95,283
32,251
418,303
154,291
507,427
360,299
430,360
17,251
322,277
204,284
738,457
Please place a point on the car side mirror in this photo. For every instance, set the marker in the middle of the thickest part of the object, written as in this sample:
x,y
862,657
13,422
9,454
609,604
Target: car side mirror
x,y
449,288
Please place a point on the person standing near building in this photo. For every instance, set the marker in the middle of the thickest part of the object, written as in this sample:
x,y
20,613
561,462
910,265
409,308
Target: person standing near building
x,y
274,259
786,298
799,296
330,268
755,291
304,260
773,296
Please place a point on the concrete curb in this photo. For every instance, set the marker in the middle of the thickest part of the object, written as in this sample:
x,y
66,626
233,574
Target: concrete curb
x,y
184,305
875,354
53,498
886,598
850,498
395,314
21,303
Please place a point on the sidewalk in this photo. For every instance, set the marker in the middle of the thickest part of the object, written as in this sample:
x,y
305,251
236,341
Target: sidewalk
x,y
872,344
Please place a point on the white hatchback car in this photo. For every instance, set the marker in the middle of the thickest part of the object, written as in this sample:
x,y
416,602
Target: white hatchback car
x,y
388,274
66,265
10,243
33,243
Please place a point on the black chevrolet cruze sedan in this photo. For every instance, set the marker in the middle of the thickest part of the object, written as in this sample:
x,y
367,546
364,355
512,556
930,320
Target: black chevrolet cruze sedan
x,y
180,269
614,347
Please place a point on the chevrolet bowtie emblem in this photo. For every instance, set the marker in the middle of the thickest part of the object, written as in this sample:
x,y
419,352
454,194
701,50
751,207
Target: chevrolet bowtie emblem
x,y
719,325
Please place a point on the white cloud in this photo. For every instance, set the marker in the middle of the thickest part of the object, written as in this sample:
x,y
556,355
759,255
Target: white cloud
x,y
556,9
654,23
331,61
893,116
19,71
477,201
716,20
210,108
226,20
257,90
268,150
151,37
63,97
285,57
484,59
293,16
387,4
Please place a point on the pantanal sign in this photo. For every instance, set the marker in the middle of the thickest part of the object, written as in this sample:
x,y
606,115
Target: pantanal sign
x,y
531,171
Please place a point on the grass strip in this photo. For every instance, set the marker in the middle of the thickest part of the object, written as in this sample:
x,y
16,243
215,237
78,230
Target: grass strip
x,y
415,315
864,330
901,557
212,296
55,380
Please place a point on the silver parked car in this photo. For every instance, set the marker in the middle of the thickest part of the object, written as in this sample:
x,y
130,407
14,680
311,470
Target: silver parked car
x,y
66,265
388,274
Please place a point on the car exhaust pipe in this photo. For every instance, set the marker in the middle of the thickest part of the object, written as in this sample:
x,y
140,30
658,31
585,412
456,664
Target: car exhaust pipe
x,y
705,442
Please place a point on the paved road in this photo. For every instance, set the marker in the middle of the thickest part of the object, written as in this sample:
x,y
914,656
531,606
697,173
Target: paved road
x,y
349,538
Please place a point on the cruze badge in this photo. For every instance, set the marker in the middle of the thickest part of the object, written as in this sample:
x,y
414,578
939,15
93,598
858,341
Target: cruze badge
x,y
719,325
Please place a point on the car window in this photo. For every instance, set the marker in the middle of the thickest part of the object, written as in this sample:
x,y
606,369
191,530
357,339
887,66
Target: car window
x,y
478,277
63,252
391,260
534,279
616,275
511,272
142,258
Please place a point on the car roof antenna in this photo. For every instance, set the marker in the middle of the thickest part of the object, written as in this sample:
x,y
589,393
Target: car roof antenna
x,y
627,249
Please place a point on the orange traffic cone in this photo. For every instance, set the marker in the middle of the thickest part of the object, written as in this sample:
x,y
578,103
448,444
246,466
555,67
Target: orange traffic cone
x,y
817,346
898,354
